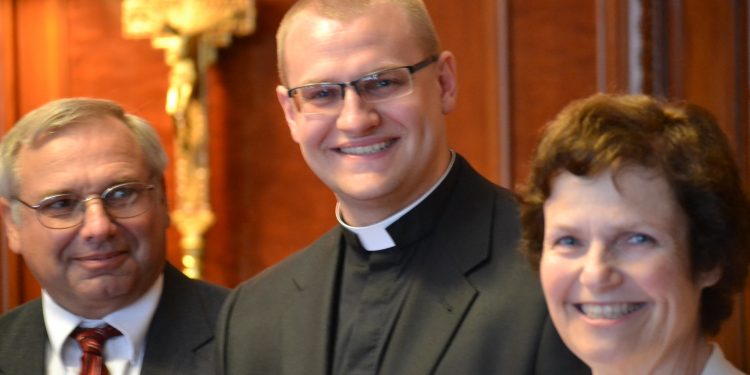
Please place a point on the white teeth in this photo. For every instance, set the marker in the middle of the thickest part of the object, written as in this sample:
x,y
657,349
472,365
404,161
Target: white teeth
x,y
365,150
608,311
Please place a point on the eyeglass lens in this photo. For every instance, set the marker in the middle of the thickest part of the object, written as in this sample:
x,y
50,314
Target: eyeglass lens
x,y
372,88
67,210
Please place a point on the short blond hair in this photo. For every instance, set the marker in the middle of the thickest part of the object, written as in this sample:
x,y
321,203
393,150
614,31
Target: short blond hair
x,y
416,12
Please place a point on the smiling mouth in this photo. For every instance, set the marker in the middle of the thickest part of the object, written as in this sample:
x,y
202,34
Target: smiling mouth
x,y
101,257
366,150
609,311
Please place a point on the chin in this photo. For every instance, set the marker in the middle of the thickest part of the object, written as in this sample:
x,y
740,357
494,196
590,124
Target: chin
x,y
597,356
364,189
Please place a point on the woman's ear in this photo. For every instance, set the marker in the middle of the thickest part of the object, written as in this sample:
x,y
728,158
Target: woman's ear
x,y
709,278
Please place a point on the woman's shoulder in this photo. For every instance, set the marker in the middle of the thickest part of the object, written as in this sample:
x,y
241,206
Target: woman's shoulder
x,y
718,365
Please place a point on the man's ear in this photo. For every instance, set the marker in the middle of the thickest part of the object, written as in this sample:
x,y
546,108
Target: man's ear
x,y
287,105
164,203
448,79
11,227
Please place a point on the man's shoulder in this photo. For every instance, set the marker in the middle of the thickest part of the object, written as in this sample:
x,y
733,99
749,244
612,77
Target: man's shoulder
x,y
204,287
309,264
22,339
29,310
21,320
176,283
321,250
472,179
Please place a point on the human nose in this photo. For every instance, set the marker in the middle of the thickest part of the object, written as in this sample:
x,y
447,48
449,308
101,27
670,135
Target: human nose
x,y
97,225
357,116
599,270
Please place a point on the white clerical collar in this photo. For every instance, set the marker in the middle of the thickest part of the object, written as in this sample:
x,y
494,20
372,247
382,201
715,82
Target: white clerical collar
x,y
132,320
375,237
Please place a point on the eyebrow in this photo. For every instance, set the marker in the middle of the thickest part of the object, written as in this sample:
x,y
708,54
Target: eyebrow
x,y
390,65
69,191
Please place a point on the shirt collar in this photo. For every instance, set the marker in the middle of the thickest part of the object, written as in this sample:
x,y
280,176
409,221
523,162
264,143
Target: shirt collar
x,y
375,237
132,321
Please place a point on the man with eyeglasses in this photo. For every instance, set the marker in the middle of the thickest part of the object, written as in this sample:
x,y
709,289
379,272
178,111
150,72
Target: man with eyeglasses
x,y
83,202
422,275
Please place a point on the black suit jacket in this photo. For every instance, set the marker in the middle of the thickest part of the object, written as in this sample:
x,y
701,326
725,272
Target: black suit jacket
x,y
474,306
179,340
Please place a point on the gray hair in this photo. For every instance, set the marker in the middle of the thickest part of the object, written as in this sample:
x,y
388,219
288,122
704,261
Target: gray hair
x,y
60,113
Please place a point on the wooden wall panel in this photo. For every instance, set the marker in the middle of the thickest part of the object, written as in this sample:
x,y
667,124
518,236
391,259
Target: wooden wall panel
x,y
552,61
471,33
8,271
33,65
713,62
709,68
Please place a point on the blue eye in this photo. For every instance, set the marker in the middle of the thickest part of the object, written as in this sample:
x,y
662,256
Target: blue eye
x,y
320,93
384,84
640,238
567,241
122,195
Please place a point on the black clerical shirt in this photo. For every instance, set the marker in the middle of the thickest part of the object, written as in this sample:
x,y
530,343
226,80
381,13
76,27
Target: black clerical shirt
x,y
374,285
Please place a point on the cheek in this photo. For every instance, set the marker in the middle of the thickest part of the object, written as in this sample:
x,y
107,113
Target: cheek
x,y
47,256
52,243
147,234
311,133
411,112
556,279
661,279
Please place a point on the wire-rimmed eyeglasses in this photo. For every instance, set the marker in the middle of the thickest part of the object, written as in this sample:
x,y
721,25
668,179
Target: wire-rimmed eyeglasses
x,y
121,201
386,84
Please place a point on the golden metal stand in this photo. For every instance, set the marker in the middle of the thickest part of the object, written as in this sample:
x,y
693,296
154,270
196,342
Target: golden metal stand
x,y
189,31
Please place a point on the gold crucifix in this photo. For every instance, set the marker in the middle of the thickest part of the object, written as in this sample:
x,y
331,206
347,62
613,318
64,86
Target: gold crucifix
x,y
189,31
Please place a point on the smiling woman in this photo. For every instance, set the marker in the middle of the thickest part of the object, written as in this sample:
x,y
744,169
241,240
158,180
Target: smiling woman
x,y
635,216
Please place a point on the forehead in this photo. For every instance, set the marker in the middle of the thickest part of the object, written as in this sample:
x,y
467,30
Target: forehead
x,y
89,150
630,193
318,48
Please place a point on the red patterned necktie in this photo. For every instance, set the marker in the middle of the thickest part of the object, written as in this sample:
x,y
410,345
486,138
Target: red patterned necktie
x,y
92,341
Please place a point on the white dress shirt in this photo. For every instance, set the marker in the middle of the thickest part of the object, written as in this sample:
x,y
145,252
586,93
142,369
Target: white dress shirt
x,y
123,354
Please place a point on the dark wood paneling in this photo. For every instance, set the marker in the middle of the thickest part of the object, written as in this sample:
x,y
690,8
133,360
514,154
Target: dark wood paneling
x,y
553,60
7,116
470,32
713,62
709,68
37,65
612,46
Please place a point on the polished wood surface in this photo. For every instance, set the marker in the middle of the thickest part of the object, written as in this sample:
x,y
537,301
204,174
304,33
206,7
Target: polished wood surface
x,y
519,63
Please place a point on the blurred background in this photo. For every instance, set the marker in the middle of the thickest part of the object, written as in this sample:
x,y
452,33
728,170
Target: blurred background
x,y
519,63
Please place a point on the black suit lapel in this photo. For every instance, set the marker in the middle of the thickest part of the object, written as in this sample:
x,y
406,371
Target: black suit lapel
x,y
308,322
441,295
179,326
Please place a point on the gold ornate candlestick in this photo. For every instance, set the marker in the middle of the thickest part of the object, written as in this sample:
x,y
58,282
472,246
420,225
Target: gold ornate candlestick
x,y
189,31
